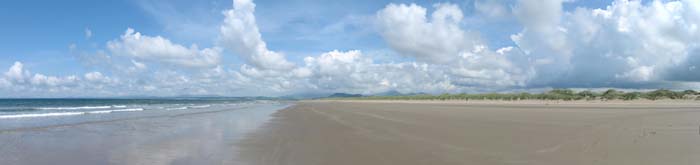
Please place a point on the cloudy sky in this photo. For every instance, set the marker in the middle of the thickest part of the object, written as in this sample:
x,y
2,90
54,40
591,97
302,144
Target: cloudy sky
x,y
85,48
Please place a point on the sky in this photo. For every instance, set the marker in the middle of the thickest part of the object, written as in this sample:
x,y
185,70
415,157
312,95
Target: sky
x,y
118,48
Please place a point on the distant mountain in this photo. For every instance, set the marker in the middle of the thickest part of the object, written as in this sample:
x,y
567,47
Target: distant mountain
x,y
419,93
397,93
341,95
336,95
389,93
198,96
305,96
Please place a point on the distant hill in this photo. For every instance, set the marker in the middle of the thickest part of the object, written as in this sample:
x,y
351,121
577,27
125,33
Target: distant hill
x,y
389,93
305,96
419,93
397,93
336,95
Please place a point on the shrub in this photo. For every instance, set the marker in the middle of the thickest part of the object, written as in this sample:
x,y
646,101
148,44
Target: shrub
x,y
588,95
555,94
631,96
567,92
611,94
690,92
664,93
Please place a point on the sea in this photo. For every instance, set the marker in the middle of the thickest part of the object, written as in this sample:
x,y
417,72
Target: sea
x,y
22,113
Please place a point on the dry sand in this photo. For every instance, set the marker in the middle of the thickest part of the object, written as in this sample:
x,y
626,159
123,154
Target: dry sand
x,y
405,133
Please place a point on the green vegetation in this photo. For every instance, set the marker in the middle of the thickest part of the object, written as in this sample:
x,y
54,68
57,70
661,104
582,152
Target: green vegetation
x,y
555,94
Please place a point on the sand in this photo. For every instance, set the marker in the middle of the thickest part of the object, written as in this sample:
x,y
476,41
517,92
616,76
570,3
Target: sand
x,y
408,133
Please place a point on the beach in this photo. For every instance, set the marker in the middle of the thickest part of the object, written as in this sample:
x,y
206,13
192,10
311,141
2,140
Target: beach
x,y
416,133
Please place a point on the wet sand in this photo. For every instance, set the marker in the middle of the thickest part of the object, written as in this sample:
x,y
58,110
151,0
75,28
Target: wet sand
x,y
203,136
408,133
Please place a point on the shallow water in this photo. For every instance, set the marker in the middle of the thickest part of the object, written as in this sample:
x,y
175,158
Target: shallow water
x,y
160,133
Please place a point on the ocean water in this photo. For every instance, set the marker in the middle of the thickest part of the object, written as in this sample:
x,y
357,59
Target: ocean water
x,y
128,131
29,113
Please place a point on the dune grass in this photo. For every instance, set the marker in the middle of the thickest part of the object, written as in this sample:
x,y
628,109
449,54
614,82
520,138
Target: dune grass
x,y
555,94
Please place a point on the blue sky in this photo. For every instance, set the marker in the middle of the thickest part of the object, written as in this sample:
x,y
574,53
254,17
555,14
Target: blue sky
x,y
360,46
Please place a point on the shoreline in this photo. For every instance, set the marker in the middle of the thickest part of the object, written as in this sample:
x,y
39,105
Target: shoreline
x,y
344,132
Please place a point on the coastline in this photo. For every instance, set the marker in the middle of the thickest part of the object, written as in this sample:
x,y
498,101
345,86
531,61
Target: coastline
x,y
405,132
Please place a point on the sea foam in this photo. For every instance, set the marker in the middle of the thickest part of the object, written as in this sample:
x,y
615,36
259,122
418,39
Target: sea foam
x,y
116,110
40,115
178,108
74,108
67,113
201,106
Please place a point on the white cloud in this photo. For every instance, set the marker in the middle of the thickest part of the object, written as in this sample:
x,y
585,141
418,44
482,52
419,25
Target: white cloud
x,y
88,33
438,39
536,14
336,62
441,40
19,81
158,49
16,73
626,42
5,84
542,39
351,71
240,33
494,9
52,81
346,71
97,77
138,66
642,73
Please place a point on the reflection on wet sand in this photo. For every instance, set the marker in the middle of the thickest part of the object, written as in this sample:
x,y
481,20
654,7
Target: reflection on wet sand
x,y
202,137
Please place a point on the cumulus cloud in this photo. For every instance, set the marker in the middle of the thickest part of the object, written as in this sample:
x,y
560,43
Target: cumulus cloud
x,y
535,14
158,49
18,78
440,40
88,33
346,71
627,42
95,83
4,84
457,61
137,66
40,79
16,73
493,9
240,33
350,71
686,71
97,77
542,39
